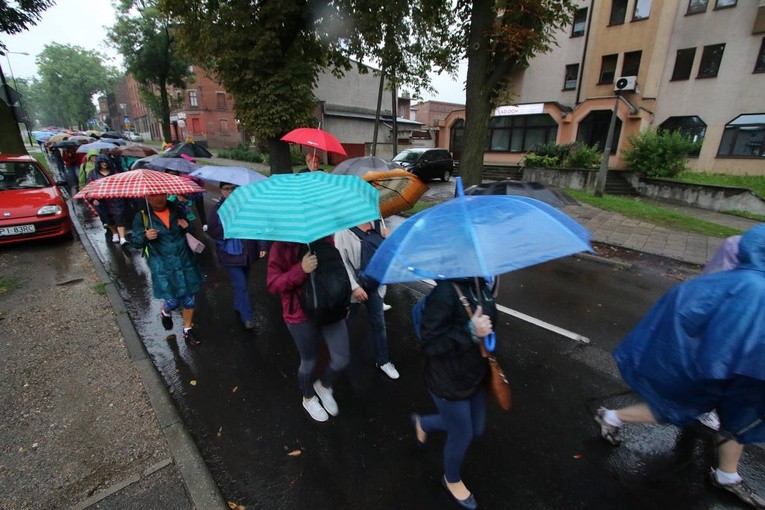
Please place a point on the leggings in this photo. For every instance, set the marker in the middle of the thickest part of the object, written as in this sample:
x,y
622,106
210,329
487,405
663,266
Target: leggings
x,y
307,336
462,420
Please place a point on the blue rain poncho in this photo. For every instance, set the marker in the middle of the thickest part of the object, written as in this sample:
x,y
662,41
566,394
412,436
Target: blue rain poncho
x,y
702,347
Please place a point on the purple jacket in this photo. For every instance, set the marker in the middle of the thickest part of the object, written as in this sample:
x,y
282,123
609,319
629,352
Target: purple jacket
x,y
251,248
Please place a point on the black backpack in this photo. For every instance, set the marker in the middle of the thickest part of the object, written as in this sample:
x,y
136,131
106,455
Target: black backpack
x,y
326,294
370,241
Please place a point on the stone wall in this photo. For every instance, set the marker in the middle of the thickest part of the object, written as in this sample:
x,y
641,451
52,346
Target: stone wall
x,y
575,178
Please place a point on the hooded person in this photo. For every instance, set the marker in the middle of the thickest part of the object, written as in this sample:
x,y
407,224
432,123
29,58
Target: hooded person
x,y
701,347
87,167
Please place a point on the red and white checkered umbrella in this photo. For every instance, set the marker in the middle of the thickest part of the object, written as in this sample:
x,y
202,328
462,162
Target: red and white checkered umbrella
x,y
138,183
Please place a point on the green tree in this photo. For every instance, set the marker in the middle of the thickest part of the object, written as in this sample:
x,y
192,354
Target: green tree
x,y
499,38
269,54
145,38
15,17
69,78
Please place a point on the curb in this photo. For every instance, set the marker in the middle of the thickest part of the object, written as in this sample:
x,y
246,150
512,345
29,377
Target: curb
x,y
200,487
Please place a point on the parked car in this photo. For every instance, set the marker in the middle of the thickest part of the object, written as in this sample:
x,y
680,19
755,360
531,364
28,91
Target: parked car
x,y
427,163
132,136
548,194
31,204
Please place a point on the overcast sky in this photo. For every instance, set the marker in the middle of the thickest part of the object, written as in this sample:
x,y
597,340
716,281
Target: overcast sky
x,y
84,23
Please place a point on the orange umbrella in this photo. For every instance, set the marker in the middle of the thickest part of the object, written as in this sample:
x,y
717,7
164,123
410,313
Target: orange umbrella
x,y
399,190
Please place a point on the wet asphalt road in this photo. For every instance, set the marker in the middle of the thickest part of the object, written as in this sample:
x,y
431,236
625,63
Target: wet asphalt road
x,y
238,396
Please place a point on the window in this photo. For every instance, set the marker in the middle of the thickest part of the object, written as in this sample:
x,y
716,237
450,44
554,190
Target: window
x,y
710,61
520,133
220,100
193,99
697,6
724,4
618,12
457,138
692,127
744,137
607,69
642,10
224,126
683,64
580,22
593,129
631,64
572,73
759,66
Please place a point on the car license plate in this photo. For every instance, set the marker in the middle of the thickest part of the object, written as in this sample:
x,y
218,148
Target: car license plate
x,y
17,230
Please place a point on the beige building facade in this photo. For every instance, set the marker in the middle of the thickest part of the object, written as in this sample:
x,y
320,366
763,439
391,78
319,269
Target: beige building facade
x,y
693,65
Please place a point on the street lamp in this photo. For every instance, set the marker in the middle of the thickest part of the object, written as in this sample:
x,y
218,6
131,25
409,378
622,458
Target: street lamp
x,y
10,68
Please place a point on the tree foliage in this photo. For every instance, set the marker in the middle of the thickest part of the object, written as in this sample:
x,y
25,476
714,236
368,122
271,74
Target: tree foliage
x,y
16,17
269,54
499,38
145,38
69,78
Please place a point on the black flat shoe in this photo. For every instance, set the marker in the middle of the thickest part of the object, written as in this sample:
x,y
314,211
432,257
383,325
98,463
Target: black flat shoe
x,y
415,419
469,502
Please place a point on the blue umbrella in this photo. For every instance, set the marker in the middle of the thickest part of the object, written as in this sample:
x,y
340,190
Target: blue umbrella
x,y
44,135
94,146
233,174
476,236
299,208
177,164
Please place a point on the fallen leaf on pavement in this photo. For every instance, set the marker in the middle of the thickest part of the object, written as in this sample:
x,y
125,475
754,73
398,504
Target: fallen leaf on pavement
x,y
193,382
295,453
234,506
220,431
236,388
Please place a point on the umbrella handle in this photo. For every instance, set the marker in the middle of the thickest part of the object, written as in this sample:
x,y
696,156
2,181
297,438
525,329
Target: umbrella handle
x,y
490,341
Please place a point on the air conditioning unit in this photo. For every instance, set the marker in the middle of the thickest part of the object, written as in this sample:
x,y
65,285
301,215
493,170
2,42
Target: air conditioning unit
x,y
625,84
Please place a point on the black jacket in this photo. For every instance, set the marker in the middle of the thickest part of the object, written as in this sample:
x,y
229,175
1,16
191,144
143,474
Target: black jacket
x,y
454,367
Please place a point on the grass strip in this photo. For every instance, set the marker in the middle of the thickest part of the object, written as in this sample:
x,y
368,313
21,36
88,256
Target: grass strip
x,y
639,210
756,183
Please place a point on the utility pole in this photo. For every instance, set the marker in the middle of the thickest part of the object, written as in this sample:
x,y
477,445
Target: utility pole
x,y
600,182
395,122
377,114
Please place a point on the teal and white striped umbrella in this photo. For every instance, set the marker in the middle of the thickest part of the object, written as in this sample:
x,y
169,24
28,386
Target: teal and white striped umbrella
x,y
299,208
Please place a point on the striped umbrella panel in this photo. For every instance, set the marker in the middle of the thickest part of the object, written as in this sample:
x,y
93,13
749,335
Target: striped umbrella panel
x,y
298,208
399,190
138,183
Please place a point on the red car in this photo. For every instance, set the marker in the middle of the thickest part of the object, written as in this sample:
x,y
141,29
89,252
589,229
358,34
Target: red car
x,y
31,205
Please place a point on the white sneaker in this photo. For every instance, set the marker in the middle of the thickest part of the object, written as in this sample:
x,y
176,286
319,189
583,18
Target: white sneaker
x,y
390,370
710,420
115,238
204,228
327,400
123,241
386,307
313,406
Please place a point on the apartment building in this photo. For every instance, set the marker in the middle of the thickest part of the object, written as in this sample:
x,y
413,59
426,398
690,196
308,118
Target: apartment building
x,y
697,66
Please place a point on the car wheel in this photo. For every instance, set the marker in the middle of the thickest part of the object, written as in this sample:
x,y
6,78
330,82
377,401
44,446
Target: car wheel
x,y
446,176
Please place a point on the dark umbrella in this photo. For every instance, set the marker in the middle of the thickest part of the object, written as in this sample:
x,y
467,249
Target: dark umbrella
x,y
65,144
176,164
190,149
362,165
551,196
110,134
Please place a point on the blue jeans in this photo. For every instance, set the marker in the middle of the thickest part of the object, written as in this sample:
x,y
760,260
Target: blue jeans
x,y
238,276
376,322
462,420
307,336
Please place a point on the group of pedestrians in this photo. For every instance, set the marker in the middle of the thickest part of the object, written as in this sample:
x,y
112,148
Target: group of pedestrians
x,y
698,350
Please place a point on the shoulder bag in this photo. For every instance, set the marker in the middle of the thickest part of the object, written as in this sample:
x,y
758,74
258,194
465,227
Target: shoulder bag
x,y
496,380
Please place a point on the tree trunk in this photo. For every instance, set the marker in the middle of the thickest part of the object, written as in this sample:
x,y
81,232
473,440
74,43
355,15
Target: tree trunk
x,y
478,94
165,106
279,156
10,136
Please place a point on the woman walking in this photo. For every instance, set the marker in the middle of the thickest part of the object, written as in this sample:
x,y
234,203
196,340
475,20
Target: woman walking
x,y
111,210
175,273
455,371
288,269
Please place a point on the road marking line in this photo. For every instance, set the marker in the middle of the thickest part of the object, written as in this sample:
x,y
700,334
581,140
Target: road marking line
x,y
533,320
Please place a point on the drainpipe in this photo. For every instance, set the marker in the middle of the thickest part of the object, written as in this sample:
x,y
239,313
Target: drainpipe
x,y
584,51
